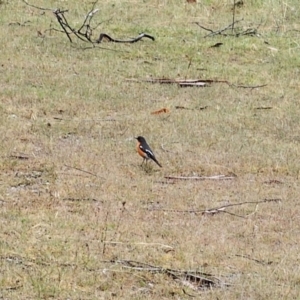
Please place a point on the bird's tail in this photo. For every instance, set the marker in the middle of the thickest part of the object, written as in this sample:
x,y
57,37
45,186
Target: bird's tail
x,y
157,161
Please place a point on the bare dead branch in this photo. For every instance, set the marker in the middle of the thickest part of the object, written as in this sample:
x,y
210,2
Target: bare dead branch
x,y
248,31
233,17
220,31
38,7
81,170
80,199
180,82
198,279
20,156
249,86
213,211
191,83
87,22
60,18
140,244
242,203
215,177
19,24
106,37
85,31
207,29
262,262
264,107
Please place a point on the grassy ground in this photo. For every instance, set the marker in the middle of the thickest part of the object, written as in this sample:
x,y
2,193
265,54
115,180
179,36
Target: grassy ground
x,y
76,205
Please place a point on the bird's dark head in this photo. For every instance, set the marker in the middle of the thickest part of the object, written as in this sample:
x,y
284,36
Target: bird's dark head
x,y
140,139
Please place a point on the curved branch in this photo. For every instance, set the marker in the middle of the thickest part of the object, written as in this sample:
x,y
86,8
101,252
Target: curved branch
x,y
110,39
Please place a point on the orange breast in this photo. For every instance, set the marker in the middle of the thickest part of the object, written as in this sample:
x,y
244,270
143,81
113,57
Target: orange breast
x,y
140,152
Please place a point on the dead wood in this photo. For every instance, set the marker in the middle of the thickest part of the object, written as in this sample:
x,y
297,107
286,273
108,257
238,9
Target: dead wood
x,y
216,210
187,108
248,31
107,38
262,262
199,280
81,170
191,82
80,199
20,156
215,177
85,31
249,86
181,82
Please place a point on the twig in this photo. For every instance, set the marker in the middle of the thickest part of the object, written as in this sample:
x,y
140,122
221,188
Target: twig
x,y
216,210
249,31
207,29
181,82
59,16
18,23
134,40
220,31
81,170
249,86
200,279
40,8
233,16
89,17
85,31
191,82
224,29
247,202
215,177
139,243
262,262
80,199
264,107
20,156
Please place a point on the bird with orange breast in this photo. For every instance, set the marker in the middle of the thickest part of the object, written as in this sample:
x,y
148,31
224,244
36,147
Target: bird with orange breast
x,y
145,151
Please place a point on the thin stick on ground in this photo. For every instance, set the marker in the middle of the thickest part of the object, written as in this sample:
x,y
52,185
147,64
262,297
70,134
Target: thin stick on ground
x,y
81,170
216,210
233,16
215,177
198,279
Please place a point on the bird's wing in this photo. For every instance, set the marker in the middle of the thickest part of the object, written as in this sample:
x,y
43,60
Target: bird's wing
x,y
148,151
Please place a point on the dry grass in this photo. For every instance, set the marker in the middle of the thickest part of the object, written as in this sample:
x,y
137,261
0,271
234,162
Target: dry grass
x,y
66,111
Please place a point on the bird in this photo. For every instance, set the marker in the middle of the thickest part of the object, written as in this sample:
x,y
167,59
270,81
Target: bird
x,y
145,151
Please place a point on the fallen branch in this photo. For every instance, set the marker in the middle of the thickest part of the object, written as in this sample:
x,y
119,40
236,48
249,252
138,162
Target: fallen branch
x,y
79,199
20,156
180,82
199,280
107,38
249,86
18,23
222,208
191,82
38,7
213,211
81,170
249,31
262,262
85,32
170,248
187,108
215,177
264,107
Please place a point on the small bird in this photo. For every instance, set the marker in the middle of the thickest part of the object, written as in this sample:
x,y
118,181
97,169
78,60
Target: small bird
x,y
144,150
